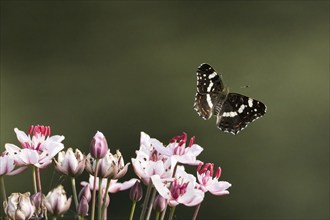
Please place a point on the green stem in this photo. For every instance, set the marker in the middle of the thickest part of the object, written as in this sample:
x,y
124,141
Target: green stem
x,y
105,195
94,189
132,210
163,212
154,191
172,213
3,189
196,211
34,179
54,218
74,191
99,200
39,179
145,202
157,215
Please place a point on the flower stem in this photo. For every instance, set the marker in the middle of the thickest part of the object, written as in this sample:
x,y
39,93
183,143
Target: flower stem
x,y
99,200
196,211
74,191
105,214
154,191
157,215
39,179
105,195
54,218
94,189
132,210
3,189
145,202
34,179
163,212
172,213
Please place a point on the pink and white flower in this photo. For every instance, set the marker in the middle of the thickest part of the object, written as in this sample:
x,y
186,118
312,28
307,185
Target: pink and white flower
x,y
19,206
70,163
38,147
183,190
208,183
149,161
110,166
178,150
7,166
56,201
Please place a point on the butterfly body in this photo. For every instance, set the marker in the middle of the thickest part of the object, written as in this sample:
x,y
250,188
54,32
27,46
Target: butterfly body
x,y
233,111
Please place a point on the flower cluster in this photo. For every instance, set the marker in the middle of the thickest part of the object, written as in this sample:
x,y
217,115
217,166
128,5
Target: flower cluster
x,y
159,167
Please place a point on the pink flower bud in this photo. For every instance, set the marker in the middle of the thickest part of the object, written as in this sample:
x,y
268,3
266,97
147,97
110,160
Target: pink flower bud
x,y
19,206
56,201
136,192
159,203
38,201
83,206
85,192
99,146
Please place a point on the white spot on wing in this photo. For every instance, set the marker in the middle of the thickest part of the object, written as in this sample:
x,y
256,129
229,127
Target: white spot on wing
x,y
229,114
212,75
209,101
209,87
250,102
241,109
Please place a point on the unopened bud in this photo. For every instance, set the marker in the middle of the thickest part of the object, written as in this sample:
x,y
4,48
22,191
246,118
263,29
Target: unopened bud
x,y
99,146
135,192
85,192
159,203
83,206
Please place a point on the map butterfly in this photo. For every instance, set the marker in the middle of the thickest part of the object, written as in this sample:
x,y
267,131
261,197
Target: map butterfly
x,y
233,111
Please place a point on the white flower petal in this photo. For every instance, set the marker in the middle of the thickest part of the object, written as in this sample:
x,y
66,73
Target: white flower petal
x,y
56,138
192,197
160,147
115,187
154,168
218,188
11,149
21,136
144,139
194,150
160,187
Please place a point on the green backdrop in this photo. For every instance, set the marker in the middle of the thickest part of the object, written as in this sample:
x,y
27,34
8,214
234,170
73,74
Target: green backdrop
x,y
125,67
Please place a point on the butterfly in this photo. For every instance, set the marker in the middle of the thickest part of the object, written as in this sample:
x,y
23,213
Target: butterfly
x,y
233,111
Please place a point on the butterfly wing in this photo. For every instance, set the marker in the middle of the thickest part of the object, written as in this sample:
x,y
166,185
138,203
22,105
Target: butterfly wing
x,y
204,104
208,81
209,86
238,111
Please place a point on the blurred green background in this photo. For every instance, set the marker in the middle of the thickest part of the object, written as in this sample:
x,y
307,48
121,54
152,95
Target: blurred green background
x,y
126,67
